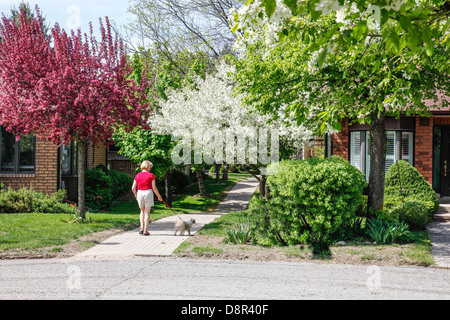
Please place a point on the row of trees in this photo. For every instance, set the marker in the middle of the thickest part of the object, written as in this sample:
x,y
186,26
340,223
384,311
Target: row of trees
x,y
322,61
298,66
63,87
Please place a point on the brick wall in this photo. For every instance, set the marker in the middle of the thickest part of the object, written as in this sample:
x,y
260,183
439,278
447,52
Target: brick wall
x,y
340,141
45,178
96,155
423,152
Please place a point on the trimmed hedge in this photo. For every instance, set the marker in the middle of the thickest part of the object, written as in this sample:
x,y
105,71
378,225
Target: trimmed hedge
x,y
309,202
405,184
414,213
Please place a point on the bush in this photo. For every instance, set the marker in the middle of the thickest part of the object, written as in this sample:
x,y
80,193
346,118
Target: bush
x,y
405,183
414,213
98,189
309,202
28,201
179,181
121,183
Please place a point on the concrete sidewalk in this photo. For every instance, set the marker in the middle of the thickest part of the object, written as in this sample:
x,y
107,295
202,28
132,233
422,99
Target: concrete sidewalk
x,y
439,232
161,241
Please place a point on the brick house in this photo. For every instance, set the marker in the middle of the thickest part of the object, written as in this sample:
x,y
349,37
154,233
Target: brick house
x,y
41,165
423,142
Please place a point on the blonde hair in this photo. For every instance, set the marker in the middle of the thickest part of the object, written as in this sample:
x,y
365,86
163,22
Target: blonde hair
x,y
146,165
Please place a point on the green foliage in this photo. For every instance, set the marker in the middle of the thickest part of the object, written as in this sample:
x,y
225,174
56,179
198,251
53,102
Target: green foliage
x,y
98,189
28,201
179,181
414,213
310,201
387,232
121,182
405,183
139,145
240,233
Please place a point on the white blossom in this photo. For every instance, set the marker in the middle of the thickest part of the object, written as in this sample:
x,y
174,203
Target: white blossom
x,y
327,6
213,109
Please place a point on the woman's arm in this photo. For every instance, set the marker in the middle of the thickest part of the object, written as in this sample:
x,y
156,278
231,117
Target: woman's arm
x,y
155,190
133,188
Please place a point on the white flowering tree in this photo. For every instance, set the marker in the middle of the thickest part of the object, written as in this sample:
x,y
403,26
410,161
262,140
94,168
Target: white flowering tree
x,y
210,120
326,60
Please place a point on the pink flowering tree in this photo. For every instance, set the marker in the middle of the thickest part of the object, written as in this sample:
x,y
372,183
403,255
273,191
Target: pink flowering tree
x,y
64,87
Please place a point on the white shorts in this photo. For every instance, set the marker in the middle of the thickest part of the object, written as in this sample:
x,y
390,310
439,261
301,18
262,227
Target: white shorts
x,y
145,198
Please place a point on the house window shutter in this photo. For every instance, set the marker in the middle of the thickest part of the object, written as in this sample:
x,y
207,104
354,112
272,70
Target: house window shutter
x,y
355,149
390,149
407,147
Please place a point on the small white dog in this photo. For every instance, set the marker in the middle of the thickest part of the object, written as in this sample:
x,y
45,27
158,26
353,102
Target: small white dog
x,y
182,226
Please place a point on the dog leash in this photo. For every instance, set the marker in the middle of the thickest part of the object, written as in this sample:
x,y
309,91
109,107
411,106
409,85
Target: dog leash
x,y
172,210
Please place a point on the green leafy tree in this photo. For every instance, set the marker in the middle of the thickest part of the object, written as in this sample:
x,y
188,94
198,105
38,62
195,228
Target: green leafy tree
x,y
324,61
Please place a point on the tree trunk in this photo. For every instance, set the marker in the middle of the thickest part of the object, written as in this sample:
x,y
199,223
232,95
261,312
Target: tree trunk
x,y
81,146
262,185
168,186
225,173
378,142
201,184
217,167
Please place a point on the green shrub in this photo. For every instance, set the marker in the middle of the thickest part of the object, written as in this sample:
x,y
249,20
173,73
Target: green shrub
x,y
28,200
179,181
414,213
405,183
309,202
20,201
121,183
98,189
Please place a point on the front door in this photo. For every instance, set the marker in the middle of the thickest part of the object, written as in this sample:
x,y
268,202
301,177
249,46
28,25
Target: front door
x,y
445,161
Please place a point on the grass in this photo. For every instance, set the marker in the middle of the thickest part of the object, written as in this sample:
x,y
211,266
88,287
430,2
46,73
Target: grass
x,y
26,231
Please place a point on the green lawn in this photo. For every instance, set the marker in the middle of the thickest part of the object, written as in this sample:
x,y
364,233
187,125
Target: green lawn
x,y
37,230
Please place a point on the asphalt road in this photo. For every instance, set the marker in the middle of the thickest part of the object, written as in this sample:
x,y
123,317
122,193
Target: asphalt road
x,y
184,279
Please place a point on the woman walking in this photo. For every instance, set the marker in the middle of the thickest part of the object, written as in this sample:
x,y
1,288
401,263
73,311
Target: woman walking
x,y
145,184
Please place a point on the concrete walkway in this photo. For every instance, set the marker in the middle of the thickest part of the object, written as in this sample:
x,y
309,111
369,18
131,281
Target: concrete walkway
x,y
439,232
161,241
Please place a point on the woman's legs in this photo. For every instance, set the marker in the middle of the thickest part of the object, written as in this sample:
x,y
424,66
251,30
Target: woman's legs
x,y
146,219
141,219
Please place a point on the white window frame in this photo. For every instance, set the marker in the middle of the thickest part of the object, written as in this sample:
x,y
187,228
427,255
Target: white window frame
x,y
360,156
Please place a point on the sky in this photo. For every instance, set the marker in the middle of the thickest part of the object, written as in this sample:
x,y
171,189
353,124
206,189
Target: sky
x,y
73,14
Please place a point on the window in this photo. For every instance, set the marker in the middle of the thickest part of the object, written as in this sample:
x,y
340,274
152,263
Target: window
x,y
399,146
16,156
407,147
69,159
355,146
